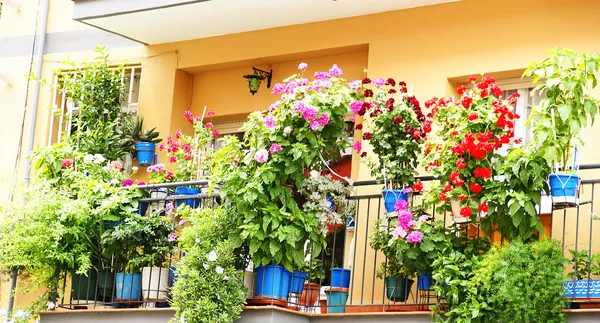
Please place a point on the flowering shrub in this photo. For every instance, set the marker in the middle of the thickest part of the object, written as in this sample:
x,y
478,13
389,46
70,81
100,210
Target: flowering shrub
x,y
410,242
396,128
465,146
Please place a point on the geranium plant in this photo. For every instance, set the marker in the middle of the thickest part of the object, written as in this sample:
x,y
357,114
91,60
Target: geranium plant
x,y
395,126
469,134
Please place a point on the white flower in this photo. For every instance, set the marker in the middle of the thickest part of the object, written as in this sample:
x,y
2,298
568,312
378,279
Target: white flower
x,y
3,313
98,159
182,319
225,277
88,158
197,240
219,270
51,305
135,168
212,256
287,130
205,266
314,174
21,315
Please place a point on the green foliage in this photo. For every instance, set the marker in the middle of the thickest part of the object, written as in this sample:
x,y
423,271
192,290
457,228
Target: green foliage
x,y
583,263
567,106
208,288
131,131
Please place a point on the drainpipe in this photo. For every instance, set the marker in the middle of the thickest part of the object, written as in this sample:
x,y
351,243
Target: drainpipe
x,y
41,48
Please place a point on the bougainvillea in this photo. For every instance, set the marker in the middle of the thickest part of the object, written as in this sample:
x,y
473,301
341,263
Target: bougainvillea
x,y
470,133
395,129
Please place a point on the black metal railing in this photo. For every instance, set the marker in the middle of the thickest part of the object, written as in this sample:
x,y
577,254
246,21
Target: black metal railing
x,y
348,249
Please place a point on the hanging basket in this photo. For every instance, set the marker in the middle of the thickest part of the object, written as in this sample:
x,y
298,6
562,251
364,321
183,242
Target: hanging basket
x,y
564,188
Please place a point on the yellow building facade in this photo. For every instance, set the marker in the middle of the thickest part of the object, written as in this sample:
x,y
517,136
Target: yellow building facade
x,y
432,48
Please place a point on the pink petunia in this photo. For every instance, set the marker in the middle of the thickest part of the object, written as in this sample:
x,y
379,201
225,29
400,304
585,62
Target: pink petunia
x,y
358,146
262,156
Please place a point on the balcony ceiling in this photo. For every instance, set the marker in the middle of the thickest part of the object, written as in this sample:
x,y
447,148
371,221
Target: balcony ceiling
x,y
163,21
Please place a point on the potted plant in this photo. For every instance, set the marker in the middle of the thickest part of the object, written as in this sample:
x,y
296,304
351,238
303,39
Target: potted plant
x,y
311,290
133,134
395,127
566,79
262,176
580,286
466,145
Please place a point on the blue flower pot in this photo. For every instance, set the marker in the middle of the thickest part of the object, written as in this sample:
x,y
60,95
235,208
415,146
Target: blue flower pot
x,y
582,288
331,201
391,196
143,208
145,153
336,300
424,282
272,282
298,279
193,203
564,185
173,275
340,277
129,286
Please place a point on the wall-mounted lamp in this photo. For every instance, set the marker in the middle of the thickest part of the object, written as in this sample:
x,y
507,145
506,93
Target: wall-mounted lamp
x,y
258,76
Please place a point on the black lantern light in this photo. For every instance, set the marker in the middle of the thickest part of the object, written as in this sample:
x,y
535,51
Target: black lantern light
x,y
258,76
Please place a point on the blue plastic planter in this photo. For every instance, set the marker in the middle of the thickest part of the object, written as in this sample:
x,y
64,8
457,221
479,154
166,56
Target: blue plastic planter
x,y
564,185
298,279
424,282
340,277
331,201
143,208
129,286
336,300
173,275
391,196
193,203
145,153
273,282
582,288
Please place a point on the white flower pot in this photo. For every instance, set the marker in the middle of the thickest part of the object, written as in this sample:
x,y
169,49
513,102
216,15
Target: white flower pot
x,y
155,283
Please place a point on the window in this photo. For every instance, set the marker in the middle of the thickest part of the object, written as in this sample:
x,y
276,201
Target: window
x,y
524,104
64,110
232,128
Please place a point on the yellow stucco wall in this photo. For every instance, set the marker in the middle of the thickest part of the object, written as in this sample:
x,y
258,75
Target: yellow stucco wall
x,y
426,47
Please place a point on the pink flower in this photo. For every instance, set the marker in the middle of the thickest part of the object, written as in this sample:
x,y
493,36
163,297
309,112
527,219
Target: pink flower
x,y
404,218
269,121
323,120
321,75
172,237
335,71
379,82
262,156
303,81
178,134
356,106
274,106
128,182
170,208
275,148
278,88
173,159
161,147
314,126
358,146
208,125
411,224
187,147
187,156
299,106
215,133
423,218
169,175
141,183
302,66
67,162
290,88
309,113
189,116
414,237
400,205
210,113
116,165
182,221
399,233
354,85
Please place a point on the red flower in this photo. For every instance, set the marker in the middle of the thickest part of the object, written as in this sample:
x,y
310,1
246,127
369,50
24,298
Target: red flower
x,y
455,179
391,82
482,173
392,91
404,90
398,119
472,79
460,163
366,80
518,140
462,198
475,188
427,126
482,85
364,154
505,139
501,122
489,79
368,93
67,162
496,91
454,133
458,149
187,156
466,211
473,116
418,187
461,90
466,102
402,83
161,147
189,116
389,104
215,133
484,93
485,136
169,175
367,136
513,98
442,196
447,188
417,134
358,126
173,159
483,207
478,154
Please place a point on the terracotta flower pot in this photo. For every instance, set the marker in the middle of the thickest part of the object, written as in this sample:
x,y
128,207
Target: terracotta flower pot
x,y
310,294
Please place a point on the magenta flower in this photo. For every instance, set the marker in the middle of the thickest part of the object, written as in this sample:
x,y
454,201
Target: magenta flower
x,y
290,88
170,208
358,146
278,88
379,82
423,218
299,106
314,125
399,233
269,121
404,217
400,205
141,183
172,237
408,190
275,148
414,237
335,71
323,120
303,81
318,84
309,113
321,75
411,224
182,221
274,106
354,85
128,182
302,66
262,156
356,106
208,125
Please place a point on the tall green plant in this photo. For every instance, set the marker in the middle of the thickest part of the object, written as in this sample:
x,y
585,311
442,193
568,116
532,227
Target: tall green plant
x,y
565,80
